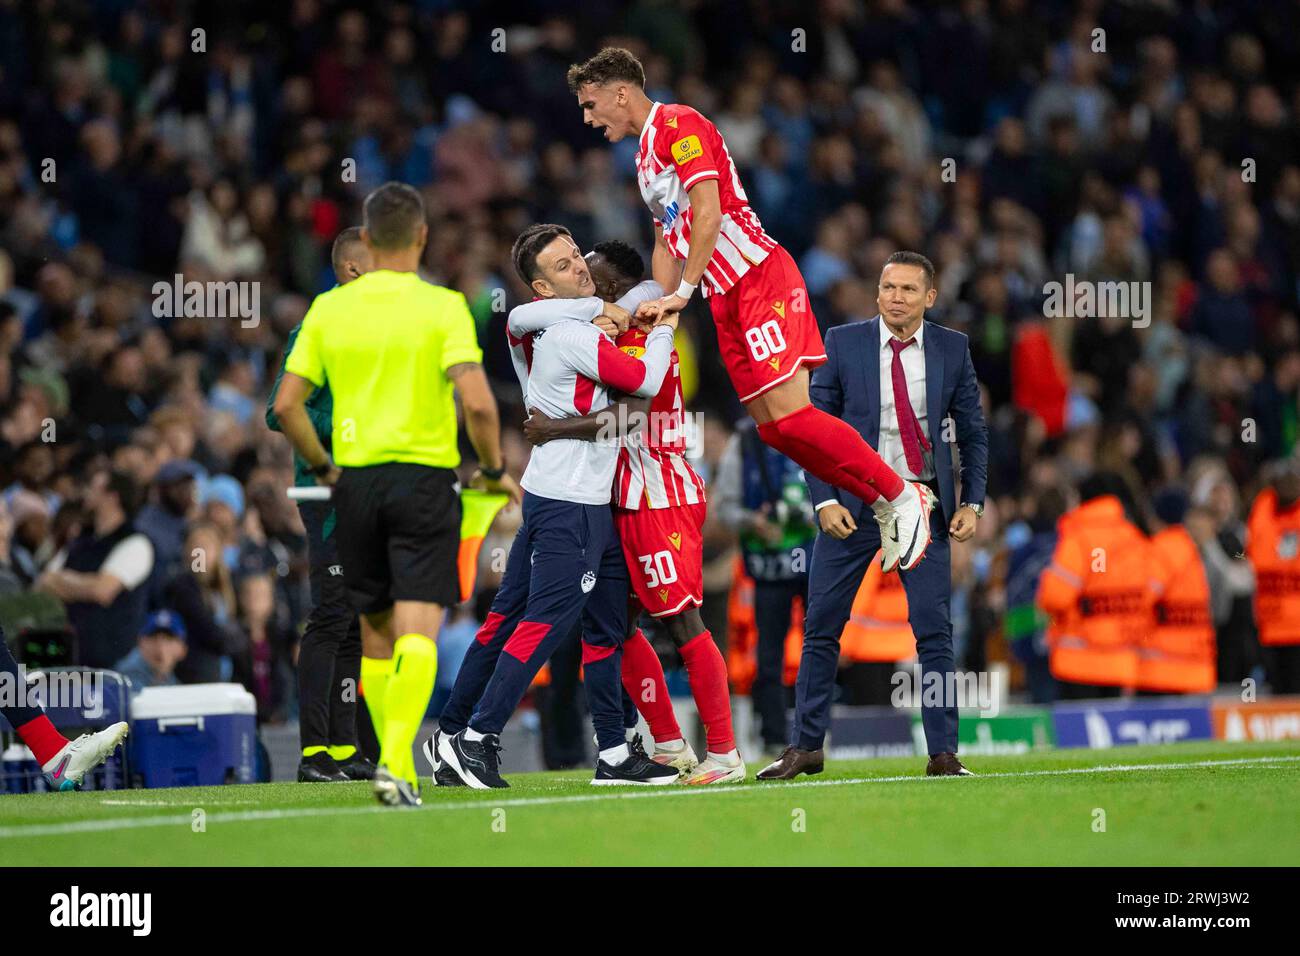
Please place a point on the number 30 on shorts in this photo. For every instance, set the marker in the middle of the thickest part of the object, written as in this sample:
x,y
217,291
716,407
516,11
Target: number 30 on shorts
x,y
766,340
658,568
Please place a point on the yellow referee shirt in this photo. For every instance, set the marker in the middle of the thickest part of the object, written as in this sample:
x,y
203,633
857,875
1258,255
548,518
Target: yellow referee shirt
x,y
384,342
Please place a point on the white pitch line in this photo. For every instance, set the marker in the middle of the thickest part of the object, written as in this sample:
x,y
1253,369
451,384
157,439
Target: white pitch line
x,y
246,816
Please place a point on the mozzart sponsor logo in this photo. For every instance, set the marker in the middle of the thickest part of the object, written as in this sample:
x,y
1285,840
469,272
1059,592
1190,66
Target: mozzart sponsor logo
x,y
77,909
1102,726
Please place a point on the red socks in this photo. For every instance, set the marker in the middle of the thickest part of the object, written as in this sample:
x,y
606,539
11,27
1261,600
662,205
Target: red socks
x,y
833,451
641,664
42,739
707,672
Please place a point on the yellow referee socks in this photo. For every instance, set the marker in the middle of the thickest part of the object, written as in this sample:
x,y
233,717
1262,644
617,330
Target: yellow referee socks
x,y
415,665
374,685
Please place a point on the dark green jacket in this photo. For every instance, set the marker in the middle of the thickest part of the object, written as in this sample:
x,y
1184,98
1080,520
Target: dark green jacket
x,y
320,409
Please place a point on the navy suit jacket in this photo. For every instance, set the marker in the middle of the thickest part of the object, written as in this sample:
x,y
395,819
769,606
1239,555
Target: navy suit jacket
x,y
847,386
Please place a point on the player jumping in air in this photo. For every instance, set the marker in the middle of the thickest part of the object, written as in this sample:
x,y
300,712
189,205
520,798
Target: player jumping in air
x,y
659,510
766,330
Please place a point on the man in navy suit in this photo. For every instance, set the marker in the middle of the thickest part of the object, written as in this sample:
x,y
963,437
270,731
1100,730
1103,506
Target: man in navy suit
x,y
897,379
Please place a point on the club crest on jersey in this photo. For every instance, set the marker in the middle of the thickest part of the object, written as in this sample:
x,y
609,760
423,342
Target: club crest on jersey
x,y
684,150
675,539
779,307
663,594
588,581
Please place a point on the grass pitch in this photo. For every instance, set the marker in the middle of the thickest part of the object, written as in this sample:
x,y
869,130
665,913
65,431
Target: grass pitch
x,y
1183,804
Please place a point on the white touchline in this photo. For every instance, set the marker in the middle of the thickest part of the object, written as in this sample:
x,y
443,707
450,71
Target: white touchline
x,y
248,816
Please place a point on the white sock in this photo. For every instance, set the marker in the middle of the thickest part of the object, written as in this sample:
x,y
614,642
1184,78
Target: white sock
x,y
907,487
472,734
670,746
629,733
615,755
730,758
882,508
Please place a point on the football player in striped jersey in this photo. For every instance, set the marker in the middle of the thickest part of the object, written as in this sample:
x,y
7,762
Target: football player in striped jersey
x,y
659,510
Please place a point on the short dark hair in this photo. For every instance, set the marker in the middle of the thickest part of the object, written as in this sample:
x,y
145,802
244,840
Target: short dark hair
x,y
344,243
625,260
612,64
532,241
128,491
905,258
393,215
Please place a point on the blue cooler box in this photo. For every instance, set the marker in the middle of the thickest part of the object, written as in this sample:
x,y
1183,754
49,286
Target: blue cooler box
x,y
193,735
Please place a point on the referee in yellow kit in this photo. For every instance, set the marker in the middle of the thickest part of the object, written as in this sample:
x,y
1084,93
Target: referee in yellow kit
x,y
393,349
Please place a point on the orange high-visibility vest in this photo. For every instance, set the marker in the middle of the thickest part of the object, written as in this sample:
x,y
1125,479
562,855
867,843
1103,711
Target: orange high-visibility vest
x,y
1098,594
742,634
1273,547
1177,653
877,629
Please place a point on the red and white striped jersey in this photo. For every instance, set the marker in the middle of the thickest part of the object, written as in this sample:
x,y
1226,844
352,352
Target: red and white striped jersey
x,y
574,365
652,470
678,149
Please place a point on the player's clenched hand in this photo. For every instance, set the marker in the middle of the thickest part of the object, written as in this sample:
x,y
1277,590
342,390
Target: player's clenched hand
x,y
505,485
616,314
606,325
538,429
331,477
647,313
669,303
836,521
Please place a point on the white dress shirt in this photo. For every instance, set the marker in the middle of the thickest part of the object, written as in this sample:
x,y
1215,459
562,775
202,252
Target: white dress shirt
x,y
890,443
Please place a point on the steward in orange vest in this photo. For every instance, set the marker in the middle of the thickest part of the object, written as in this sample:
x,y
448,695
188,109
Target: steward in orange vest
x,y
1097,593
1273,547
1177,654
877,630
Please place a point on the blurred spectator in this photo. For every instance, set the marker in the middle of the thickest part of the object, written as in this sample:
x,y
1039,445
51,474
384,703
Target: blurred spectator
x,y
101,575
159,648
164,520
203,594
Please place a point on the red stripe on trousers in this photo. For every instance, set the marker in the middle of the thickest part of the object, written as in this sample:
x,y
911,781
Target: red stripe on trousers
x,y
591,653
488,630
525,639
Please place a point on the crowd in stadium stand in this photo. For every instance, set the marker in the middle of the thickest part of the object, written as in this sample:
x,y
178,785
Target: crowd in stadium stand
x,y
1012,143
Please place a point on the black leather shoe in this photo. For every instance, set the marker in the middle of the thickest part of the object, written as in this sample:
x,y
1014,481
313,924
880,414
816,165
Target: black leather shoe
x,y
357,767
793,762
320,768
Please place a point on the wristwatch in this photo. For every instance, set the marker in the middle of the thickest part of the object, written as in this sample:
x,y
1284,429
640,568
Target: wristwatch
x,y
978,509
493,474
323,469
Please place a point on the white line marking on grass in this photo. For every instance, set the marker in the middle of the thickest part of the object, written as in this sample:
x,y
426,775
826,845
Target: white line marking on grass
x,y
246,816
176,803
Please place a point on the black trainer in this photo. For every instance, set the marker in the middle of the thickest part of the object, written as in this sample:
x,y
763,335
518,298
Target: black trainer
x,y
476,762
320,768
444,776
430,750
357,767
637,770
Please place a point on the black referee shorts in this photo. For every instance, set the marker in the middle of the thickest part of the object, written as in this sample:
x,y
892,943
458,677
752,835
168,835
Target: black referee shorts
x,y
399,534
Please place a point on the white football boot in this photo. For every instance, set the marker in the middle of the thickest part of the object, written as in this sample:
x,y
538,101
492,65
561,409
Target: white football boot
x,y
905,534
717,768
67,768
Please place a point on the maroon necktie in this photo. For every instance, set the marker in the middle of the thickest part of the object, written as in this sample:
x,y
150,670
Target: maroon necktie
x,y
909,429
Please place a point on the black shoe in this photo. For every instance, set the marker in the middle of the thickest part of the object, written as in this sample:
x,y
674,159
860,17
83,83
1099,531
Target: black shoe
x,y
475,762
444,776
357,767
320,768
430,750
394,791
638,770
636,746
